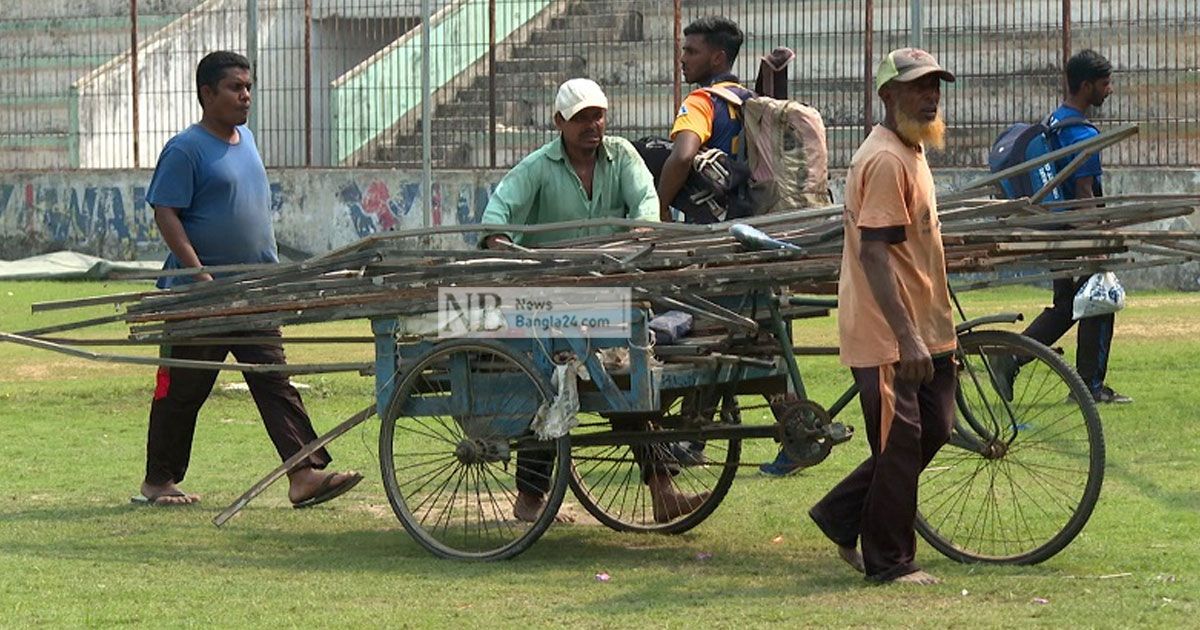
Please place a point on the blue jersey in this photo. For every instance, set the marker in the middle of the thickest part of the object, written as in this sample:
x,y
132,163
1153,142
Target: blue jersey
x,y
1072,135
223,198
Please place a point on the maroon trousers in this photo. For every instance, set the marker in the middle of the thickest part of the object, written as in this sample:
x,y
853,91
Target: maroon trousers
x,y
180,392
876,504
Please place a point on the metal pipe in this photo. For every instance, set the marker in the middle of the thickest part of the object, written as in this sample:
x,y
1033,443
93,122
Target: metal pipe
x,y
492,83
868,70
1066,43
678,53
308,137
252,55
426,122
916,30
135,102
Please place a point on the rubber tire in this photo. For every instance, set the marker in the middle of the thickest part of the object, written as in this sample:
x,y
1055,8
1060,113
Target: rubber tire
x,y
1096,455
719,490
387,433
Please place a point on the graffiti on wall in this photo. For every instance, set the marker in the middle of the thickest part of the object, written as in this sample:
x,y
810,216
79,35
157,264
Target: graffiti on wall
x,y
110,217
96,218
374,206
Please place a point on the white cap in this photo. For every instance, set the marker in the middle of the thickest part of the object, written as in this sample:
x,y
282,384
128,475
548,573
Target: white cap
x,y
578,94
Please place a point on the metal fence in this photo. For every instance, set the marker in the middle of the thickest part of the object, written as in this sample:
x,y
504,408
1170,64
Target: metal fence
x,y
339,82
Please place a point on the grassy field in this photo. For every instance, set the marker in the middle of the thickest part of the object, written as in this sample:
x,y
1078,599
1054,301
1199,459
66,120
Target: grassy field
x,y
73,551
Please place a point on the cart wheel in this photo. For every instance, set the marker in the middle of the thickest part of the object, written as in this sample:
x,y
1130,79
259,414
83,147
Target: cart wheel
x,y
1020,477
607,480
454,436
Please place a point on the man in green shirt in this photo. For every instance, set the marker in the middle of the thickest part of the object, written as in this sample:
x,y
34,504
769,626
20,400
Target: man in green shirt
x,y
581,175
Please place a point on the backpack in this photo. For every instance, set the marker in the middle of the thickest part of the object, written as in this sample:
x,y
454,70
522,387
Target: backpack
x,y
716,188
784,144
1023,142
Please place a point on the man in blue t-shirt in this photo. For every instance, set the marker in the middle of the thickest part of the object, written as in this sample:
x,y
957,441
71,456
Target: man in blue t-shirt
x,y
212,205
1089,83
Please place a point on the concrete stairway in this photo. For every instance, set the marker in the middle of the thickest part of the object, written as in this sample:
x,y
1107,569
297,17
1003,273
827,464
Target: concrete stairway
x,y
626,45
44,48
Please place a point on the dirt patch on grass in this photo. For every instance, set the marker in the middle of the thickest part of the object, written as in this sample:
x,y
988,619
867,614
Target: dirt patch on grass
x,y
60,371
1157,329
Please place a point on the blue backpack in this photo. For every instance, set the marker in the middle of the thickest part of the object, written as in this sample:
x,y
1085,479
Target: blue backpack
x,y
1023,142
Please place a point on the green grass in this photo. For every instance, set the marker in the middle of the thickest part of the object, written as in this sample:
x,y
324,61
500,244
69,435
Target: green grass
x,y
74,552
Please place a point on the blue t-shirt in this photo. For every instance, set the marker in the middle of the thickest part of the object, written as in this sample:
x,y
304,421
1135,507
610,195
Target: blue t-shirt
x,y
1072,135
223,198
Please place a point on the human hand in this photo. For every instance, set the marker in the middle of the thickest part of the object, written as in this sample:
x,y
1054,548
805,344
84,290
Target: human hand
x,y
916,365
493,241
203,277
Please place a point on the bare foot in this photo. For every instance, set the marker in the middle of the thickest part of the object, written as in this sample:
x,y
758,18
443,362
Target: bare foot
x,y
852,557
918,577
167,494
529,506
668,502
306,483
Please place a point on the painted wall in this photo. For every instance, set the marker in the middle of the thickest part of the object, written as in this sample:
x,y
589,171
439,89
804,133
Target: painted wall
x,y
315,210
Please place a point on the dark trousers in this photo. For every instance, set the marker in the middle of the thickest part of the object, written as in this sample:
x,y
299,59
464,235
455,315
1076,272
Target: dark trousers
x,y
1095,333
876,504
180,392
534,466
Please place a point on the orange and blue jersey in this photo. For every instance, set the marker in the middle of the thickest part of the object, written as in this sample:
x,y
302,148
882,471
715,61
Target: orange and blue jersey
x,y
711,117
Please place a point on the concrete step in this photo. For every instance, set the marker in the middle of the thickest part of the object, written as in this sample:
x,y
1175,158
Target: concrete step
x,y
573,65
35,114
524,80
610,7
407,151
31,152
46,76
609,22
508,113
18,9
576,36
73,36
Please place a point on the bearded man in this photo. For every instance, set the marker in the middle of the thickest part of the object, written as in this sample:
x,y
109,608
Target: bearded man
x,y
894,322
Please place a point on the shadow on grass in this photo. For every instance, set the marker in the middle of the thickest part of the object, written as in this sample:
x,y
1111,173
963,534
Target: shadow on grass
x,y
138,536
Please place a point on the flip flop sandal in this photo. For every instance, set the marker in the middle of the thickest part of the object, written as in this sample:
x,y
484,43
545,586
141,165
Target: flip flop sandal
x,y
327,491
152,501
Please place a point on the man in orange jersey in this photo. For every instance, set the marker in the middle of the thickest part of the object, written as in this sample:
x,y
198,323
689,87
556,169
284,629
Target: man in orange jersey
x,y
895,324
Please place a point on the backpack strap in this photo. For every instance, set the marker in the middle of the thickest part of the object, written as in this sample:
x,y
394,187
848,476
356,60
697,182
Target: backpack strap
x,y
725,94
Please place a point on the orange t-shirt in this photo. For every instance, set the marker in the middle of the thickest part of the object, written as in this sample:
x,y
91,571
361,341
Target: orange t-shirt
x,y
889,185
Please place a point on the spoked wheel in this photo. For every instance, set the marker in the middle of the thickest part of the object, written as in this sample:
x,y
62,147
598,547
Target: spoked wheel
x,y
456,446
610,482
1024,466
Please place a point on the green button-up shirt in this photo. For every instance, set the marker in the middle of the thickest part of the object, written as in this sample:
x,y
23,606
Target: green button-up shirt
x,y
543,188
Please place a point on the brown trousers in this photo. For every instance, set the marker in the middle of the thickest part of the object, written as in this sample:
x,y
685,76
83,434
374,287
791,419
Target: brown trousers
x,y
180,392
876,504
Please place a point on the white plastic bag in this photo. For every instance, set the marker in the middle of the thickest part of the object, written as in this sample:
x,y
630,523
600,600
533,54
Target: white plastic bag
x,y
556,418
1100,295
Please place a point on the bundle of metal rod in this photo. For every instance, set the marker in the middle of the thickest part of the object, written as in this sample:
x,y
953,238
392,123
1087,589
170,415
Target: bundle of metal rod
x,y
391,275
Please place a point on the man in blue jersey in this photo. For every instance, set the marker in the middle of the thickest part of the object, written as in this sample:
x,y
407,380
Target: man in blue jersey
x,y
1089,83
212,204
704,121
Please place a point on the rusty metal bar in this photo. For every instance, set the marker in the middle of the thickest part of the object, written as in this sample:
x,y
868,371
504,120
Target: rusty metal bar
x,y
678,39
869,70
492,83
308,97
135,102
